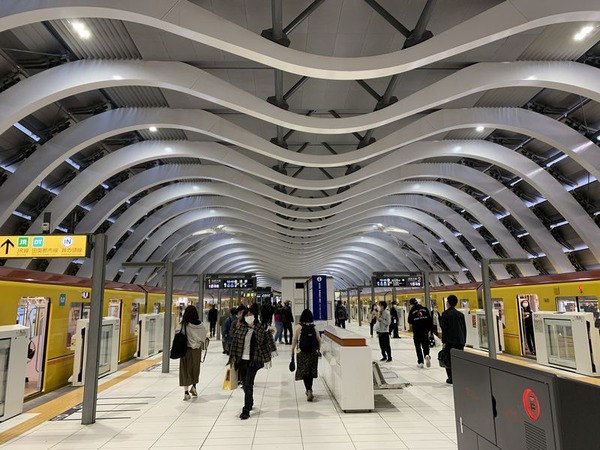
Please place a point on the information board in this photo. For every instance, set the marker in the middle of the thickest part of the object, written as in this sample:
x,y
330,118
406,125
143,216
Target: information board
x,y
230,281
391,280
44,246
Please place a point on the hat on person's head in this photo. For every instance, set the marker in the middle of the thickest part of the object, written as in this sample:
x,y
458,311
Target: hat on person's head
x,y
413,301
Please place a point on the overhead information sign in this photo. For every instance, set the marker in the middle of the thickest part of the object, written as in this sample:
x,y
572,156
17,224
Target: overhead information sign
x,y
394,280
44,246
230,281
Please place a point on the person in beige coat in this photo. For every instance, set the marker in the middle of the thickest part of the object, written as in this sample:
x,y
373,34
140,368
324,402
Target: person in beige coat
x,y
189,365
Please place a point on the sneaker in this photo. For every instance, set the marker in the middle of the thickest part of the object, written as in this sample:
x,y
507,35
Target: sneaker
x,y
309,396
194,392
428,361
383,359
420,365
245,415
186,397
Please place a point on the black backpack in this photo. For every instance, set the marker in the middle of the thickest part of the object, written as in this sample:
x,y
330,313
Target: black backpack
x,y
308,339
341,314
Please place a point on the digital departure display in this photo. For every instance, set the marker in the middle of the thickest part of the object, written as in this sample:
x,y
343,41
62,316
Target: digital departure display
x,y
230,281
389,280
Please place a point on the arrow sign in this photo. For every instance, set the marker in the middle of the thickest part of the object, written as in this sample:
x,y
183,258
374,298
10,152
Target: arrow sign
x,y
7,244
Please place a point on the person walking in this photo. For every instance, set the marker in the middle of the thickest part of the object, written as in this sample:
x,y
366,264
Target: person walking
x,y
374,316
383,332
307,340
213,316
454,330
278,323
287,318
251,349
341,314
228,330
189,365
394,324
420,319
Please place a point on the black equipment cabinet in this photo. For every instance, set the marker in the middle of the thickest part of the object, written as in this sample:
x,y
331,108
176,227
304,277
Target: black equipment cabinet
x,y
500,405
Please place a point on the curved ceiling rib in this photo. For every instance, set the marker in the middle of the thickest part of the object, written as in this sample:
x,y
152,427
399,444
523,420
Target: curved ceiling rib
x,y
72,78
197,24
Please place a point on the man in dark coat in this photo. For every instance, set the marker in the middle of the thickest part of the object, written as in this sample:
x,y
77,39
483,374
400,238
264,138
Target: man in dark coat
x,y
454,330
287,318
394,324
213,316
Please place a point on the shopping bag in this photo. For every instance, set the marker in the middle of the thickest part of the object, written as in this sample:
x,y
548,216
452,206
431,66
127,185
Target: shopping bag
x,y
231,379
179,346
444,358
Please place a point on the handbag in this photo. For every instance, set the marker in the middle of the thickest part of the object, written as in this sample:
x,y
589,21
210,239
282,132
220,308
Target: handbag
x,y
444,358
231,379
179,346
292,366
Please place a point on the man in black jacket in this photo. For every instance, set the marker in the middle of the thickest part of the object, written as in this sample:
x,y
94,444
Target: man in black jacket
x,y
394,324
213,316
454,330
420,319
287,318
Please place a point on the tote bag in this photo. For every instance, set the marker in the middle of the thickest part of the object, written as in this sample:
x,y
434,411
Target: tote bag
x,y
179,347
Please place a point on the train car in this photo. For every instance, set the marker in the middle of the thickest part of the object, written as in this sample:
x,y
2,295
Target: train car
x,y
50,306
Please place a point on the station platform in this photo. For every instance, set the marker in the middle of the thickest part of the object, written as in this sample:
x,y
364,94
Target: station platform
x,y
141,408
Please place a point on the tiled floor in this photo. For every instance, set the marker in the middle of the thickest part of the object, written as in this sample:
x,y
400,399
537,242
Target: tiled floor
x,y
147,411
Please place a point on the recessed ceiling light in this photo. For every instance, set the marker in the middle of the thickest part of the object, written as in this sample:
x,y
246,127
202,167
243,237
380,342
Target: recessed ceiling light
x,y
81,29
480,129
153,129
583,33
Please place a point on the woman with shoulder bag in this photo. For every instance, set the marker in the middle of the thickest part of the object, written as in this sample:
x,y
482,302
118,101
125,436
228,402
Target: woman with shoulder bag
x,y
189,365
307,340
251,349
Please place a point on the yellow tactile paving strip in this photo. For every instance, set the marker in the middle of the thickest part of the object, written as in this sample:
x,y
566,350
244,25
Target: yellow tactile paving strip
x,y
54,407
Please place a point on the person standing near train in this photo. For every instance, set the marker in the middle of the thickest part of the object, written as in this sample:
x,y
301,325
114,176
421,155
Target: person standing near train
x,y
454,330
189,364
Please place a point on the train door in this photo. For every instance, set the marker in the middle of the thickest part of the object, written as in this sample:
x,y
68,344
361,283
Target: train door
x,y
115,309
32,312
527,304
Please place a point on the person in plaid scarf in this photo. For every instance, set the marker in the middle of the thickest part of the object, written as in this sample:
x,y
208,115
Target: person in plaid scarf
x,y
251,350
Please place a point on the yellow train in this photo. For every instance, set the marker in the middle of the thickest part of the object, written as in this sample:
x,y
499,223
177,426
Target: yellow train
x,y
50,306
577,291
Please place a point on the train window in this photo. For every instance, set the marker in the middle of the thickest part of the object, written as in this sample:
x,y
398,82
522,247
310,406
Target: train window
x,y
577,304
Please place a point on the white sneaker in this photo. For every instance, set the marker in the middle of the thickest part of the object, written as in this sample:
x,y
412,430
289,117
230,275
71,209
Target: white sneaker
x,y
428,361
194,392
420,365
186,397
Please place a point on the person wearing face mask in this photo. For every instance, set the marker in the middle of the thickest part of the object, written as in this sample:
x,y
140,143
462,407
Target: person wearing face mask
x,y
251,350
528,322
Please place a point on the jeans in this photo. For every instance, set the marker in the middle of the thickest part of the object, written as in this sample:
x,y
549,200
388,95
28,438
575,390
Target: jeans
x,y
279,331
384,345
247,374
421,341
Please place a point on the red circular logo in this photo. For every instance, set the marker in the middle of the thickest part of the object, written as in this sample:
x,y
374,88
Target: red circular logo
x,y
531,404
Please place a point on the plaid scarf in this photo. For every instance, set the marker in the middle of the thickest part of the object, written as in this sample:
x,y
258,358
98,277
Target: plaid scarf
x,y
261,353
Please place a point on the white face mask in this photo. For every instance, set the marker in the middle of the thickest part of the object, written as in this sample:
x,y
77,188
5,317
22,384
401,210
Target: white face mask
x,y
250,319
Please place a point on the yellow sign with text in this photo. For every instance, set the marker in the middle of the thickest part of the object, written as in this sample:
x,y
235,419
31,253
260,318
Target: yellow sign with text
x,y
44,246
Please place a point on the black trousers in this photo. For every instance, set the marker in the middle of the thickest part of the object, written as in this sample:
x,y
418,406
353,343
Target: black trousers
x,y
394,329
530,339
342,323
288,331
247,374
421,342
213,327
449,369
384,345
372,325
308,382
